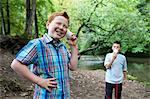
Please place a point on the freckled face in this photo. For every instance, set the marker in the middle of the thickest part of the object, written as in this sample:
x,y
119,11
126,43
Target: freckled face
x,y
58,27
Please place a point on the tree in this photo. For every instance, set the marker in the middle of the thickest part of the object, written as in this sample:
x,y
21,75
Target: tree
x,y
30,14
97,23
36,26
2,19
8,18
112,20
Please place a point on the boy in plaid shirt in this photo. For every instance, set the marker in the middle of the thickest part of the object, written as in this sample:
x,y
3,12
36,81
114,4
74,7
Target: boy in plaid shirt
x,y
51,60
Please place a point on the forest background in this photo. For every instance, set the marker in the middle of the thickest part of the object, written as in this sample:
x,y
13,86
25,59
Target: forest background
x,y
96,23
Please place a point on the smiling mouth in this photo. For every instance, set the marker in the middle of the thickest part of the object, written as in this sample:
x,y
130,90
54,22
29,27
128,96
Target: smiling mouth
x,y
59,33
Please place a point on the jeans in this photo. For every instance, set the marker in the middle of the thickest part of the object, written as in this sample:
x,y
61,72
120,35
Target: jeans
x,y
109,90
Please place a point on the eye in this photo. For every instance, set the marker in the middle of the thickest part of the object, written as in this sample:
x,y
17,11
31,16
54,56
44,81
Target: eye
x,y
58,23
65,26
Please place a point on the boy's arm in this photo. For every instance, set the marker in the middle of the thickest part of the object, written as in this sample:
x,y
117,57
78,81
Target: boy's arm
x,y
25,72
109,64
125,69
125,75
74,54
74,57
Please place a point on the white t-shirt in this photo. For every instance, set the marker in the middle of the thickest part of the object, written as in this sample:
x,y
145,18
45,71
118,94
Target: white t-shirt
x,y
114,74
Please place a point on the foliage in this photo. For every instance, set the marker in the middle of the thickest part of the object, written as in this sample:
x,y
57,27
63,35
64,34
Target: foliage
x,y
115,20
130,77
98,22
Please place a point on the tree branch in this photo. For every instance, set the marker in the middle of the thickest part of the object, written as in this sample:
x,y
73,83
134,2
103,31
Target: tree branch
x,y
88,20
89,49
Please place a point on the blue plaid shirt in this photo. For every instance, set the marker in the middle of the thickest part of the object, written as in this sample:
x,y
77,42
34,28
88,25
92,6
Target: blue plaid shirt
x,y
48,61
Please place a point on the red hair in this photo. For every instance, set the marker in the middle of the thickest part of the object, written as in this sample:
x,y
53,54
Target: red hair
x,y
51,17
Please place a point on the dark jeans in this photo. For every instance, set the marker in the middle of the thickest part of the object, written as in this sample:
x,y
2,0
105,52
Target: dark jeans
x,y
109,90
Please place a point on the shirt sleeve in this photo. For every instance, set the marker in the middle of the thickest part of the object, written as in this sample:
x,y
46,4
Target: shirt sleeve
x,y
125,64
107,59
68,53
28,54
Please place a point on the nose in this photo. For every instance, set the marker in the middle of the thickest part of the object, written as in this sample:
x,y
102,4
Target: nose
x,y
61,26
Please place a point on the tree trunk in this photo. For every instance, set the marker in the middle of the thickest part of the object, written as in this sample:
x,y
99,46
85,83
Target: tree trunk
x,y
8,18
30,14
2,19
27,17
36,25
33,11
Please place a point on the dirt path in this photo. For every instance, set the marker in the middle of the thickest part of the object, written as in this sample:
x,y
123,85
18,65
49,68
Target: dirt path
x,y
90,85
85,84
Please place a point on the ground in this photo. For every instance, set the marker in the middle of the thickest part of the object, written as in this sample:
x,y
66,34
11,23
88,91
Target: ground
x,y
85,84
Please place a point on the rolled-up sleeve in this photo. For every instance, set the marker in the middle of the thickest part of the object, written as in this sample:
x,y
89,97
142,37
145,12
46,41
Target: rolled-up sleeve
x,y
125,64
107,59
28,54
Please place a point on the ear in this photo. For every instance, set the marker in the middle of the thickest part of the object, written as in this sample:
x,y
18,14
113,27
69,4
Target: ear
x,y
112,48
47,24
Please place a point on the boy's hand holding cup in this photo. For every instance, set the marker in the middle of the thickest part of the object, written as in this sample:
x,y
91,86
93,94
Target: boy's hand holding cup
x,y
71,38
115,52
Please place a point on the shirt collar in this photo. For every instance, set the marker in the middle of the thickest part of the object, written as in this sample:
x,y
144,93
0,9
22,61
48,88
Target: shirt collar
x,y
49,40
